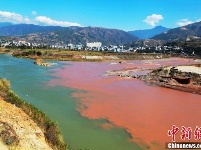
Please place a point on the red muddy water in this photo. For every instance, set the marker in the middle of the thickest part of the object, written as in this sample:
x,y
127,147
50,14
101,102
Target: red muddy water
x,y
146,112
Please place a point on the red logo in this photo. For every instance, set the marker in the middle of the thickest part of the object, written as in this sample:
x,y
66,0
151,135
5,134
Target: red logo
x,y
197,133
186,133
173,132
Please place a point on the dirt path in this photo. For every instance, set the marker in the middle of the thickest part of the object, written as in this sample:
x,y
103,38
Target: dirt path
x,y
29,135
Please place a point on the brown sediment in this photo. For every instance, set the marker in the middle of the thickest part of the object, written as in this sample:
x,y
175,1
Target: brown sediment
x,y
146,112
107,126
41,63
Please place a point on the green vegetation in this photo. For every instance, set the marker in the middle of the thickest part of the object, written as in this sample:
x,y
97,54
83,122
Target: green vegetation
x,y
61,55
73,55
48,52
50,128
140,56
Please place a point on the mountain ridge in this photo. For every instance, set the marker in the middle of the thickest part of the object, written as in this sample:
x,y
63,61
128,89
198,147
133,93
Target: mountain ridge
x,y
181,33
65,35
22,29
149,33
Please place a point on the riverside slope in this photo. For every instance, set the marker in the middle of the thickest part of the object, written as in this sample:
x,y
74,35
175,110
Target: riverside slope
x,y
29,135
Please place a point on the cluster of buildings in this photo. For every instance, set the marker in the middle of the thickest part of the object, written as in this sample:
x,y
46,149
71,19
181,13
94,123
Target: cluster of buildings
x,y
158,48
94,46
70,46
18,44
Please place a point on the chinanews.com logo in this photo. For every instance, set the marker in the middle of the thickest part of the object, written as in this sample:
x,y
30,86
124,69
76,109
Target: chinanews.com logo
x,y
185,134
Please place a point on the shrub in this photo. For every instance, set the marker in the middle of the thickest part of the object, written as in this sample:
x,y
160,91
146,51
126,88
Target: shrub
x,y
38,53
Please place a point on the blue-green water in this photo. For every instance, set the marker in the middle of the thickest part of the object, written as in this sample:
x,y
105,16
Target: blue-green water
x,y
29,81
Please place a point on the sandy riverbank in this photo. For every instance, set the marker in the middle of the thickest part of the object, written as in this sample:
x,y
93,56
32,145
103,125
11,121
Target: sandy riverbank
x,y
22,132
193,69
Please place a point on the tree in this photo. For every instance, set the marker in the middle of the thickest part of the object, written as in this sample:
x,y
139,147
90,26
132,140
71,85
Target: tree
x,y
38,53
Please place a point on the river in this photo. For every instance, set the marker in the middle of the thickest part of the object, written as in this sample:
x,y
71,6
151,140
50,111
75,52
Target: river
x,y
99,112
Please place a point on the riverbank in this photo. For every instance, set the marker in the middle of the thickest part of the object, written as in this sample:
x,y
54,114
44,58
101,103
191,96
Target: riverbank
x,y
18,131
90,56
184,78
23,126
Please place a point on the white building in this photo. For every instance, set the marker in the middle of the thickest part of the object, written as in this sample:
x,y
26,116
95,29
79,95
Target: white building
x,y
70,46
94,44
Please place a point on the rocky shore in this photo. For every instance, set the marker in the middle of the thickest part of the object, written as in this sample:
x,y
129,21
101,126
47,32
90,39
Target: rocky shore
x,y
183,78
41,63
128,72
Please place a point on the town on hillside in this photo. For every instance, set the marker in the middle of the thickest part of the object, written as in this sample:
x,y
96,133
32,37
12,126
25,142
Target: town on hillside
x,y
138,46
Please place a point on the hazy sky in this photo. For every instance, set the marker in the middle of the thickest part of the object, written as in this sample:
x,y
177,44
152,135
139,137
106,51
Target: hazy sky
x,y
119,14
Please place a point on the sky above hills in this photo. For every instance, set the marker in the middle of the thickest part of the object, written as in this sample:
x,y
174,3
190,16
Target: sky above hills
x,y
125,15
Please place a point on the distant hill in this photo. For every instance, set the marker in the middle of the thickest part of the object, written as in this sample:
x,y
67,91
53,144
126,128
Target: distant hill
x,y
145,43
3,24
94,34
180,33
64,35
148,33
22,29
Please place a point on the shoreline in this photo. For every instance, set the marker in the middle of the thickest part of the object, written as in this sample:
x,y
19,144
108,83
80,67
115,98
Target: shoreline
x,y
48,128
161,76
187,79
18,130
82,56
